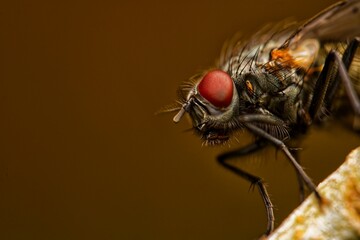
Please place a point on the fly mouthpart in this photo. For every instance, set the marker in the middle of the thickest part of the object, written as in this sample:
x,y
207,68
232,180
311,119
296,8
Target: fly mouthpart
x,y
213,138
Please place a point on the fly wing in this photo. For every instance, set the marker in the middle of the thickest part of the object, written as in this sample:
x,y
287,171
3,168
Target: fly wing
x,y
339,22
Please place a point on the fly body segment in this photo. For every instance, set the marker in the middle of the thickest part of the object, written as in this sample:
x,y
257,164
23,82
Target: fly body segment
x,y
275,85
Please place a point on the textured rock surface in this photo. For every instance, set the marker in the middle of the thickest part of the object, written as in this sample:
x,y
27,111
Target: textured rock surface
x,y
338,217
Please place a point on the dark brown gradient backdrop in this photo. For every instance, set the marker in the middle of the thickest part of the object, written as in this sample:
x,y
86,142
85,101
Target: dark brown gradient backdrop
x,y
82,155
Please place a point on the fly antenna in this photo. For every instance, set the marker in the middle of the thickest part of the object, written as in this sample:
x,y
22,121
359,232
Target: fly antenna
x,y
182,111
179,115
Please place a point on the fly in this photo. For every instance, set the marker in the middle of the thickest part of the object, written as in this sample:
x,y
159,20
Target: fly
x,y
276,85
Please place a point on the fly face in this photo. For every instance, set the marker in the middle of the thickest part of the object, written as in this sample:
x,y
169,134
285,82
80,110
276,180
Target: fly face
x,y
212,103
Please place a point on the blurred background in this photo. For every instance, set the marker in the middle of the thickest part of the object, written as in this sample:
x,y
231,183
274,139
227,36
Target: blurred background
x,y
82,155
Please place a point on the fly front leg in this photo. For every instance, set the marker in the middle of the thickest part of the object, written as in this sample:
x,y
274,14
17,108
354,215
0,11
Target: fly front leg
x,y
335,71
281,145
254,180
299,177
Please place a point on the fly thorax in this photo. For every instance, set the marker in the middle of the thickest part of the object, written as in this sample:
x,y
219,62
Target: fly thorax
x,y
256,90
285,104
259,91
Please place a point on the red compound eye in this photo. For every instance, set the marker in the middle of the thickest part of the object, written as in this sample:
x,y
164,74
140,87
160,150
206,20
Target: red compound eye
x,y
217,87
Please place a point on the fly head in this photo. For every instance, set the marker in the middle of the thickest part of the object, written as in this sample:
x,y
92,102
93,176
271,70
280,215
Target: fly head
x,y
212,103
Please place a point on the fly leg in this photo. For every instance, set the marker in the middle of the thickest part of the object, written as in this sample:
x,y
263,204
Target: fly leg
x,y
299,177
255,181
281,145
335,70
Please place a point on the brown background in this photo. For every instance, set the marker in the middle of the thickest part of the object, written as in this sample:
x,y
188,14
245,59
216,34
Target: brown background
x,y
82,155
